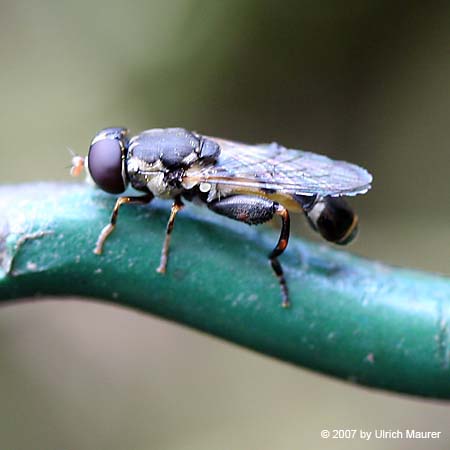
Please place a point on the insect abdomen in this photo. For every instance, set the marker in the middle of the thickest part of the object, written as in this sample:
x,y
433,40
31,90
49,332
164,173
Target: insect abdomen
x,y
333,218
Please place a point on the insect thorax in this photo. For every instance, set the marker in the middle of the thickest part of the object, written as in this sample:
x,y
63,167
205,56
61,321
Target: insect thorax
x,y
157,159
153,177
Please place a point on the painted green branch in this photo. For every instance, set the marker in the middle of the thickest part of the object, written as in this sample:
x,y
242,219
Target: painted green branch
x,y
356,319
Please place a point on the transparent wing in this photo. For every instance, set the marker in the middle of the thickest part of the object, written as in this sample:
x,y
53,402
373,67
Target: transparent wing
x,y
271,167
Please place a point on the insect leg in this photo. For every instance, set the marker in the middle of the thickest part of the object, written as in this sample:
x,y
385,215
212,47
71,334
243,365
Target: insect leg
x,y
108,229
176,207
278,250
254,210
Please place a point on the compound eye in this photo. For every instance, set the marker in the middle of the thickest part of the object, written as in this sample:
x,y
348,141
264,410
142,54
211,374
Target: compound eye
x,y
105,165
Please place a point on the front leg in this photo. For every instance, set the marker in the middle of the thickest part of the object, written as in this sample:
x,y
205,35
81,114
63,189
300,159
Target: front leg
x,y
112,224
254,210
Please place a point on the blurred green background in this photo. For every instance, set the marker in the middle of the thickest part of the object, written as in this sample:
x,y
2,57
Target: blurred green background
x,y
364,81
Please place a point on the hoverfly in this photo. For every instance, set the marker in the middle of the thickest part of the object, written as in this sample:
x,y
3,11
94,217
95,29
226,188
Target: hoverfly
x,y
248,183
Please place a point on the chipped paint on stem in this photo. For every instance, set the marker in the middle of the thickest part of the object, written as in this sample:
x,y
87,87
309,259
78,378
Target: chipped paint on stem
x,y
355,319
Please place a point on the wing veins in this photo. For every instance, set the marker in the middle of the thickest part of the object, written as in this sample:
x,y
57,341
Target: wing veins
x,y
285,170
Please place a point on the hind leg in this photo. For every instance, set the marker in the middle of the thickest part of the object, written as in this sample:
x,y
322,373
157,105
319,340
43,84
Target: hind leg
x,y
255,210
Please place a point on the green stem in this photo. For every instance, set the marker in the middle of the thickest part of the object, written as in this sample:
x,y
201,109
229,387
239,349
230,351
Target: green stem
x,y
352,318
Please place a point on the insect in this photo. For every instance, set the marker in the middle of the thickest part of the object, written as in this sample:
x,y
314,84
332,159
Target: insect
x,y
247,183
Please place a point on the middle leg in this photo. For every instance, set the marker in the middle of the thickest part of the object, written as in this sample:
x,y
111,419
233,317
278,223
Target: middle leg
x,y
176,207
